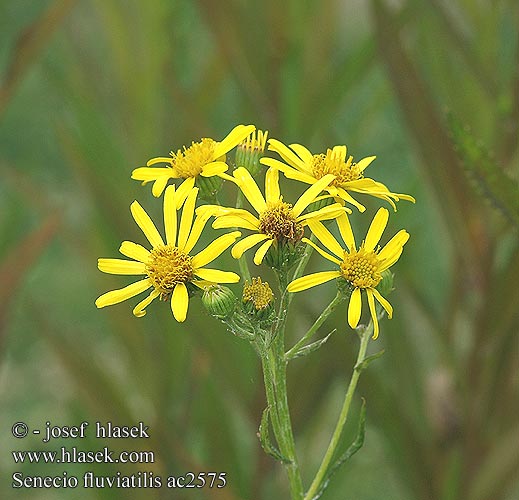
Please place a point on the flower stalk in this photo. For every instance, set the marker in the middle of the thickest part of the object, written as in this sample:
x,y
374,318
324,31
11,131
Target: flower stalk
x,y
365,334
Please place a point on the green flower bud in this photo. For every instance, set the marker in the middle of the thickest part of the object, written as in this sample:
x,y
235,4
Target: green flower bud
x,y
249,151
219,301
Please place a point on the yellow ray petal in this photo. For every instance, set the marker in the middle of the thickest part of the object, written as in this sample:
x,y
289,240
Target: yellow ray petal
x,y
311,193
187,218
326,255
373,311
196,230
376,228
326,238
183,190
159,185
286,153
304,154
312,280
214,168
346,232
233,138
147,174
121,266
250,189
140,309
355,308
272,193
159,159
393,246
134,251
290,172
362,164
325,213
116,296
180,302
261,251
170,216
349,199
146,224
383,302
247,242
217,276
228,221
214,249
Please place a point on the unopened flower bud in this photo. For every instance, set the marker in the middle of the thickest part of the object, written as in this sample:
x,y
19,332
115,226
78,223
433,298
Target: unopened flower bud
x,y
250,150
219,301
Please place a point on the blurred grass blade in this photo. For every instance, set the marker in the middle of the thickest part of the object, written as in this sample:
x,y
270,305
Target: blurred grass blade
x,y
499,468
18,261
463,43
29,45
491,180
352,449
418,108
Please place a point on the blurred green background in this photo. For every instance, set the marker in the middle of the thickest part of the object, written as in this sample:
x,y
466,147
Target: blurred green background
x,y
91,89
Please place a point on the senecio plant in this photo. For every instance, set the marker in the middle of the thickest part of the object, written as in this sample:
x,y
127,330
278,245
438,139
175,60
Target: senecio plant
x,y
284,233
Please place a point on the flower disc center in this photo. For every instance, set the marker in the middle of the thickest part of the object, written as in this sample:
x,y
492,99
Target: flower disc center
x,y
189,163
278,222
168,266
361,269
336,164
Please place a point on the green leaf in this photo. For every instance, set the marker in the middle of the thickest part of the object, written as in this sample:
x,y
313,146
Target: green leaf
x,y
352,449
307,349
490,179
364,364
264,437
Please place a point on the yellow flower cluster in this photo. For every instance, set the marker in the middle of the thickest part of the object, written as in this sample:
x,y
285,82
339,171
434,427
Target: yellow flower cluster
x,y
174,272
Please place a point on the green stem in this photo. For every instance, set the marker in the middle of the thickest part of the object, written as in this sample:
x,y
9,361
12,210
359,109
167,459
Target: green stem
x,y
318,322
334,442
274,369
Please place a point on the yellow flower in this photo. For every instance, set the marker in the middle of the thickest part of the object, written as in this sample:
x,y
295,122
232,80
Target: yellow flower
x,y
306,167
362,268
169,268
205,158
277,220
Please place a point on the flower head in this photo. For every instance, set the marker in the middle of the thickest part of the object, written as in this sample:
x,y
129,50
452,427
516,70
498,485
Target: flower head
x,y
278,222
362,267
306,167
258,293
169,268
205,158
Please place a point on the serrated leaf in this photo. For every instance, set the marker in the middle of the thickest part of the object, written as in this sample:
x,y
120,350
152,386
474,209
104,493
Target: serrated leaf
x,y
308,349
352,449
364,364
491,181
264,437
